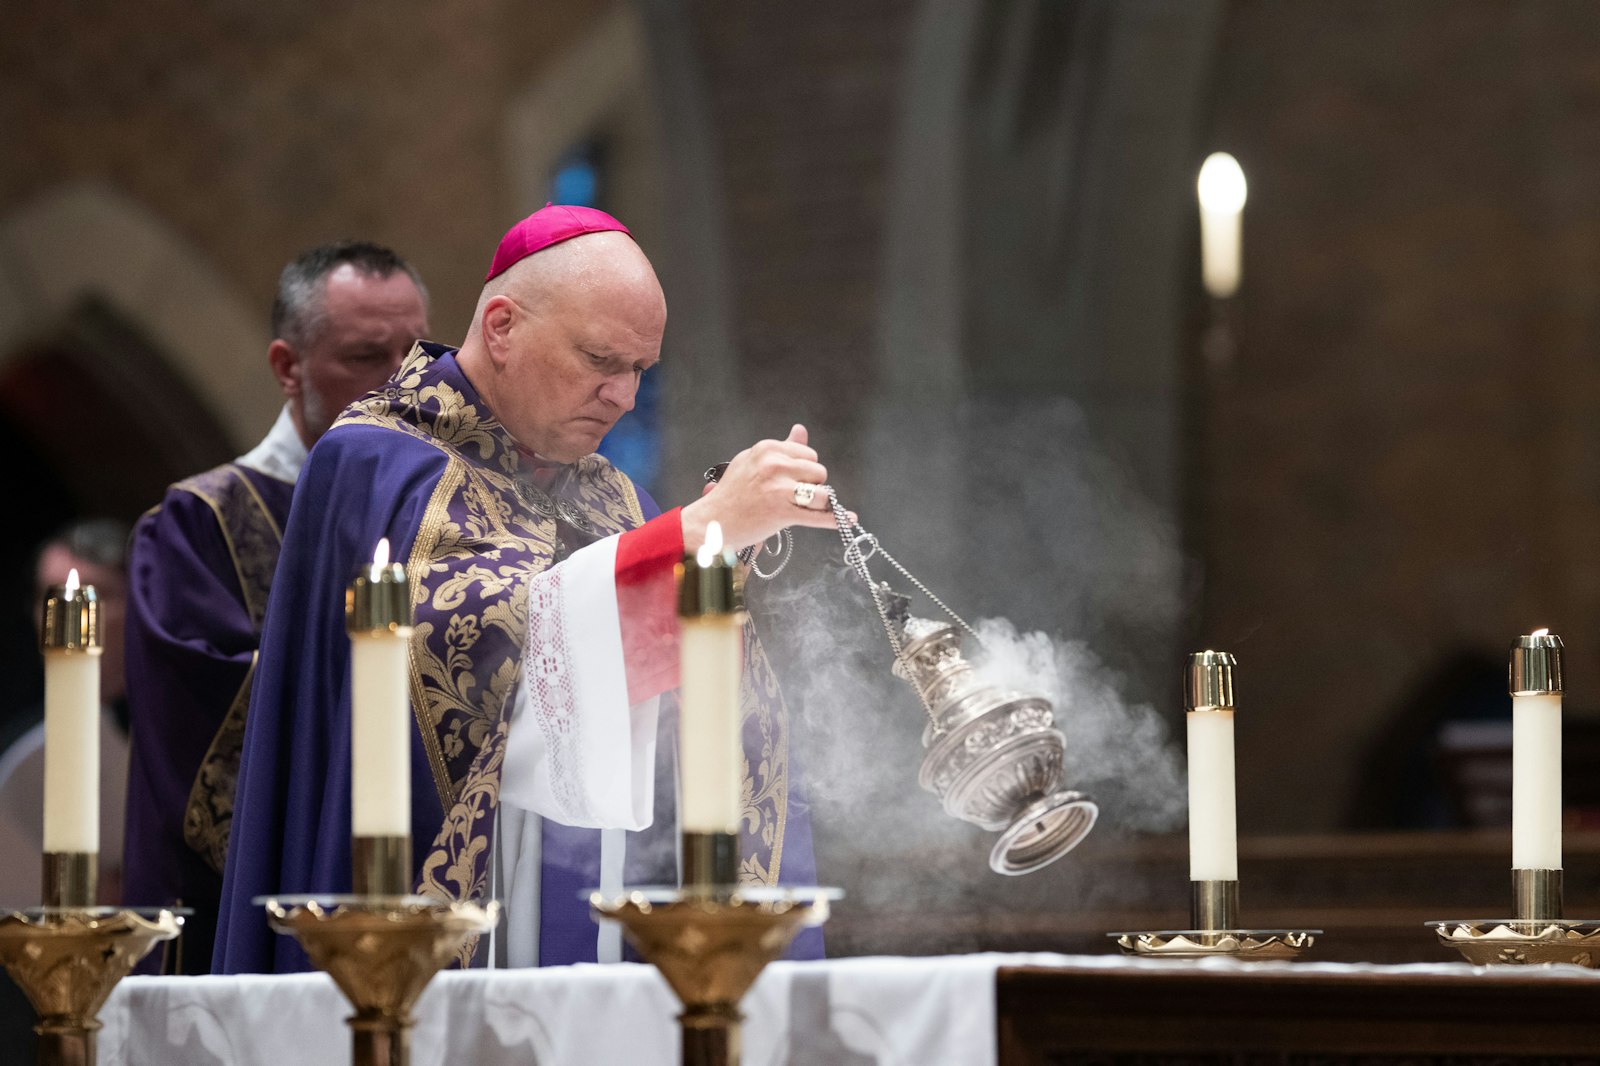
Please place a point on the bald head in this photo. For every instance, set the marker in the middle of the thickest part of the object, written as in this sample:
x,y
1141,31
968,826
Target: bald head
x,y
609,265
560,340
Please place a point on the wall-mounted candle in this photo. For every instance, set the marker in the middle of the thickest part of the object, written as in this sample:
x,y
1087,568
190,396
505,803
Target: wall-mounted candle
x,y
1213,837
1536,687
70,640
378,619
1221,187
710,754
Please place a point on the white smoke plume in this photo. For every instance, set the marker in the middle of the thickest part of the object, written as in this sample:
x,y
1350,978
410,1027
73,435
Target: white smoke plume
x,y
1120,752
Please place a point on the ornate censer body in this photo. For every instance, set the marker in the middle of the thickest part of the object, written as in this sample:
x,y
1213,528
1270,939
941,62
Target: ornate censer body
x,y
994,756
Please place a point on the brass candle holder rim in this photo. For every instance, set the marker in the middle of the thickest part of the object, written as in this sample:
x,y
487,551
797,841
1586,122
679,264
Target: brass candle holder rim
x,y
351,912
777,898
327,901
39,911
1524,941
1516,926
164,922
1263,944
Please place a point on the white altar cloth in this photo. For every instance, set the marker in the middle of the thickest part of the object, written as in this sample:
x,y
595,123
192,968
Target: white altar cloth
x,y
869,1011
841,1012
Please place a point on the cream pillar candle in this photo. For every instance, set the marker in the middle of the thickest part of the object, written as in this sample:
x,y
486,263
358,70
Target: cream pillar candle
x,y
1222,190
71,644
1536,690
1213,835
711,647
378,618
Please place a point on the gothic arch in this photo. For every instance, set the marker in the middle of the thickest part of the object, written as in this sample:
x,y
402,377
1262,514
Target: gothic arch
x,y
88,241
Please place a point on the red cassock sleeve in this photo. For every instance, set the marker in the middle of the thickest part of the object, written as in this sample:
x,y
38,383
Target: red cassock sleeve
x,y
647,604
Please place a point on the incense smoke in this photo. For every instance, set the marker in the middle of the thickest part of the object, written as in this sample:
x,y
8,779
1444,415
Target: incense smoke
x,y
1120,752
1016,513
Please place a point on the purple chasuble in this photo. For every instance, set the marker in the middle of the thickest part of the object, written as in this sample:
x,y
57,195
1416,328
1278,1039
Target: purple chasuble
x,y
199,569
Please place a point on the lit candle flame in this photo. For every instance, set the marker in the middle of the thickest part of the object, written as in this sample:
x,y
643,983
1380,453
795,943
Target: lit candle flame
x,y
1222,186
72,580
713,545
380,555
1540,633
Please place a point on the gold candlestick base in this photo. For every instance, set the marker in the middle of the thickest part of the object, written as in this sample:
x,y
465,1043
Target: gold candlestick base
x,y
1210,943
711,949
1538,934
67,961
1214,910
381,951
1514,942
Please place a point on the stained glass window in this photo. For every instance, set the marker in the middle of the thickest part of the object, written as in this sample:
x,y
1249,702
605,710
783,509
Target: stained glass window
x,y
634,444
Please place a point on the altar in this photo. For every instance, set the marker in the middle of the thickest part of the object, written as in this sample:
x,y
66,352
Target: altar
x,y
972,1010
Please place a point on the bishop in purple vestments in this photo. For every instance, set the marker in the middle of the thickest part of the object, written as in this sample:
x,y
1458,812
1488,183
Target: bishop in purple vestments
x,y
544,649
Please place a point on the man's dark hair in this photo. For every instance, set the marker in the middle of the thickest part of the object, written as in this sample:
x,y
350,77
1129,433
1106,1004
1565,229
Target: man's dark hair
x,y
297,311
101,541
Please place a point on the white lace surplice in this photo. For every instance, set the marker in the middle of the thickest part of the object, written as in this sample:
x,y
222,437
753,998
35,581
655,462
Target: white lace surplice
x,y
577,752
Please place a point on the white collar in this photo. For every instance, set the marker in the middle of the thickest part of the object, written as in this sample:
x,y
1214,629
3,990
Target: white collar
x,y
281,452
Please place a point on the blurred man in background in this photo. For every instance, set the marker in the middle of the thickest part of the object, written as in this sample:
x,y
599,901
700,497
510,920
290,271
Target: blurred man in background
x,y
201,566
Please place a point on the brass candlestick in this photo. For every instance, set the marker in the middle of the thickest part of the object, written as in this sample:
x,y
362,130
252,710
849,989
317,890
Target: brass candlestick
x,y
381,951
711,939
67,955
380,944
67,961
1213,902
1537,932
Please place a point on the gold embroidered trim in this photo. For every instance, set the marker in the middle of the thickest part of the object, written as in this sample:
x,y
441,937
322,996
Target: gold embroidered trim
x,y
208,818
266,513
766,785
253,538
434,520
623,483
254,542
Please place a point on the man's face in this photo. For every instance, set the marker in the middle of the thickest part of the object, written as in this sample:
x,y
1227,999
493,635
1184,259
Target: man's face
x,y
110,588
367,325
576,362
